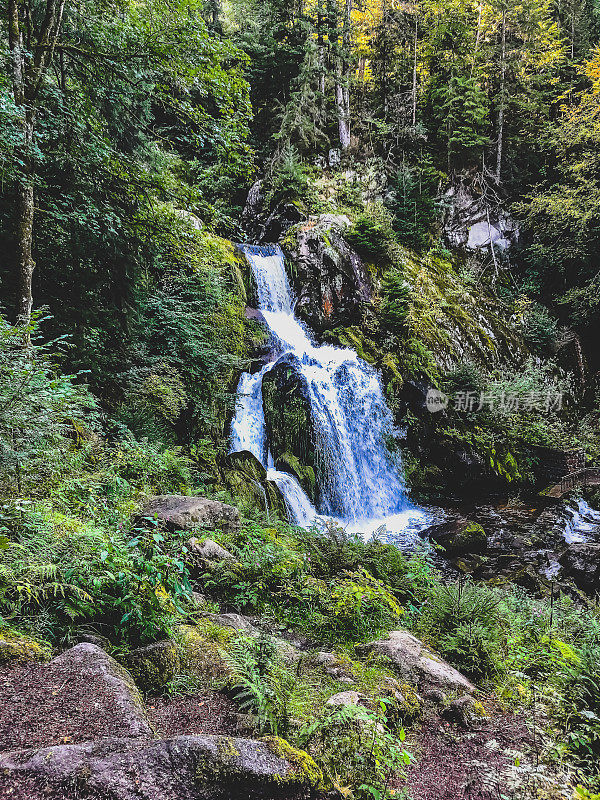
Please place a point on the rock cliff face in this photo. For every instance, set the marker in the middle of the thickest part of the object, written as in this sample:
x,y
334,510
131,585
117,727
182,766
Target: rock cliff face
x,y
472,222
332,285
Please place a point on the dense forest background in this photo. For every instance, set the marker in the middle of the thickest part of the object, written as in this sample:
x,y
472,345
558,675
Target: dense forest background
x,y
118,121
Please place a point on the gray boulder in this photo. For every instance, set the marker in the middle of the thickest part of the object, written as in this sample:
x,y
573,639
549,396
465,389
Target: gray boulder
x,y
101,681
417,664
182,768
179,512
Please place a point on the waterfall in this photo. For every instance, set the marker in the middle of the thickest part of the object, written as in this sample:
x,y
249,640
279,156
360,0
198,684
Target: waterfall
x,y
359,481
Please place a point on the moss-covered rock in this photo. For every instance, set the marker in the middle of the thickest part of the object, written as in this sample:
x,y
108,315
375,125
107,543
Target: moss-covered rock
x,y
153,666
459,536
246,478
200,650
332,284
18,647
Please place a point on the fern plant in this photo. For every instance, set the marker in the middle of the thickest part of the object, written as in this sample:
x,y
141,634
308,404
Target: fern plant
x,y
260,683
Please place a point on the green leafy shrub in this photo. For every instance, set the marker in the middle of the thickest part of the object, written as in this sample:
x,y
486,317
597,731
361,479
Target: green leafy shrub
x,y
463,620
539,330
289,181
42,412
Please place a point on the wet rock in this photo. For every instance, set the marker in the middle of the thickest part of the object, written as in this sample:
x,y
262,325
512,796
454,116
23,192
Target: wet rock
x,y
288,421
458,536
332,285
154,665
581,563
179,512
247,479
181,768
416,663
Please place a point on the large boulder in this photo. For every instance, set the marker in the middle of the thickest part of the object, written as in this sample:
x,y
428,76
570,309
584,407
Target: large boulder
x,y
458,536
181,768
332,285
179,512
581,562
415,663
80,695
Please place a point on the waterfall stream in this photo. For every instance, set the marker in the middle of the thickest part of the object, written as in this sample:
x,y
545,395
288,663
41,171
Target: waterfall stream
x,y
360,483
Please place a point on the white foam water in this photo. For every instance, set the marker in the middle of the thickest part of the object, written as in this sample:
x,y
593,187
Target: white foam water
x,y
360,483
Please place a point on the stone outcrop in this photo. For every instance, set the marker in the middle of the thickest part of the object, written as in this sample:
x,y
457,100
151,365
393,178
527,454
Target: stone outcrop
x,y
332,285
181,768
415,663
179,512
475,224
581,563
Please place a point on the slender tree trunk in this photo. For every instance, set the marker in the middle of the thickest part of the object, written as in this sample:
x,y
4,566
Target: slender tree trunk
x,y
502,100
321,47
24,211
414,73
27,77
342,80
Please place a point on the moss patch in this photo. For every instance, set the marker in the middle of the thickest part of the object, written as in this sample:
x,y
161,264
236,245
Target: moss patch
x,y
302,764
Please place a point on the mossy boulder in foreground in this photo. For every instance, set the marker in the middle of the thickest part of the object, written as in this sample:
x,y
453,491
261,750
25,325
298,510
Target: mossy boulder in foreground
x,y
181,768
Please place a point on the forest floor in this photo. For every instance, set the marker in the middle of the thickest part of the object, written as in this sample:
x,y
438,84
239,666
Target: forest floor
x,y
495,759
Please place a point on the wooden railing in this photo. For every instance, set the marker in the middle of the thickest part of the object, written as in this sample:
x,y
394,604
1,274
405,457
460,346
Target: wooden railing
x,y
583,477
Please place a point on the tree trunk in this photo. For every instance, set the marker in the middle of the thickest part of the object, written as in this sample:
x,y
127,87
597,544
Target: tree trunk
x,y
501,107
340,102
27,78
414,75
321,47
342,80
477,38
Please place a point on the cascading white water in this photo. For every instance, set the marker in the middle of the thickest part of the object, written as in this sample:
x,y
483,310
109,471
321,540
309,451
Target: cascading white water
x,y
358,479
